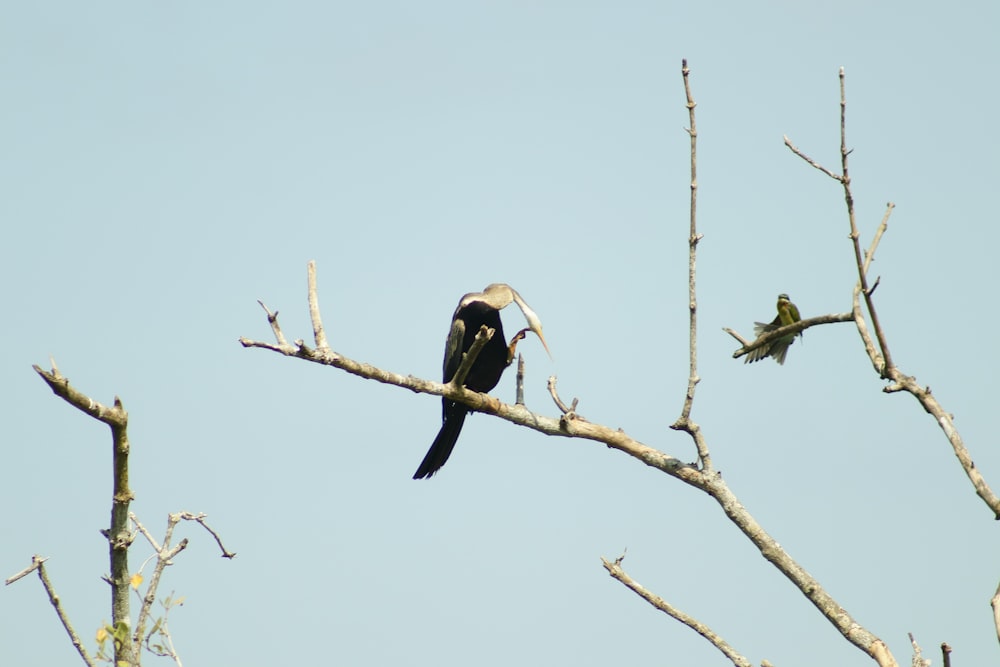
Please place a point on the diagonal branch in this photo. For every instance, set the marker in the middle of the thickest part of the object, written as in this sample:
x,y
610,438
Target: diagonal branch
x,y
54,599
483,336
615,570
787,330
704,480
38,563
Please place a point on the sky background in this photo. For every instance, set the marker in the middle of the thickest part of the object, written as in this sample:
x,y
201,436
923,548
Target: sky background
x,y
165,165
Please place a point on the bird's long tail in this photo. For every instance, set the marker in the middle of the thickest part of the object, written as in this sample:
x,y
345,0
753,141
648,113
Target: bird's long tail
x,y
445,441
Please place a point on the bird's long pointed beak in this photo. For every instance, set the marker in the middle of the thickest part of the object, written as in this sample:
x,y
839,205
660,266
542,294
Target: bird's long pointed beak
x,y
538,330
534,323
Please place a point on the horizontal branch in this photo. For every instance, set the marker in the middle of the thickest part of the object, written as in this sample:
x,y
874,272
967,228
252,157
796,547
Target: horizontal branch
x,y
787,330
516,414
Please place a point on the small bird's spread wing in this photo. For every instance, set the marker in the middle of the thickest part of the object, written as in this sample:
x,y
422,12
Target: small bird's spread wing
x,y
764,351
788,313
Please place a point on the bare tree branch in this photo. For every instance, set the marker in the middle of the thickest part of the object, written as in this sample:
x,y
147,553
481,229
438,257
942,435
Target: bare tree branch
x,y
118,535
781,332
163,556
684,422
615,570
814,163
200,518
568,412
709,482
879,355
63,618
918,656
272,319
845,180
318,334
36,562
483,336
162,628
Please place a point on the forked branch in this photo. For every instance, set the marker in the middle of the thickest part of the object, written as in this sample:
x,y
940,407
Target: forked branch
x,y
570,427
877,348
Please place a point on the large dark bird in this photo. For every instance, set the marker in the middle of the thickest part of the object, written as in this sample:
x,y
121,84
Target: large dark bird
x,y
474,310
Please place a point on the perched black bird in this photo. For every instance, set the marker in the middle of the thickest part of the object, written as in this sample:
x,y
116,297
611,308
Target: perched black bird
x,y
474,310
788,313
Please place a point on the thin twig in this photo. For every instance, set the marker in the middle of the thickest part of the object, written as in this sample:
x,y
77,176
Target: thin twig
x,y
483,336
787,330
142,529
817,165
870,253
36,562
200,518
272,319
855,235
616,571
568,413
684,422
162,628
163,559
61,613
918,657
693,239
317,323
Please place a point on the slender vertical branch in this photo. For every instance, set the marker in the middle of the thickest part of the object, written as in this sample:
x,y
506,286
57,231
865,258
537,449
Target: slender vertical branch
x,y
859,261
318,333
118,535
164,554
684,422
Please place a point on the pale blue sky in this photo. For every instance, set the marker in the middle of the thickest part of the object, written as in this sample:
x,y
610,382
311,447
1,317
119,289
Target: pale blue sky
x,y
166,164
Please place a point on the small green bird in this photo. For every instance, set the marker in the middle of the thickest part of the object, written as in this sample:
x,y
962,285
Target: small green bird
x,y
788,313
